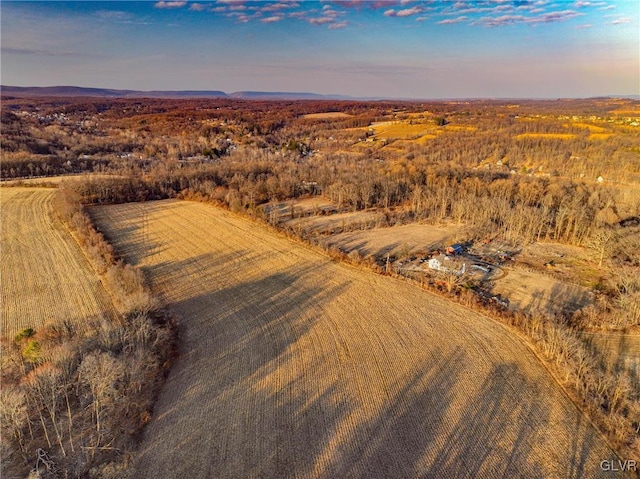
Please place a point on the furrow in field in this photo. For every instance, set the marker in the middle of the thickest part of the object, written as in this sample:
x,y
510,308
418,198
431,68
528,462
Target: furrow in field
x,y
294,366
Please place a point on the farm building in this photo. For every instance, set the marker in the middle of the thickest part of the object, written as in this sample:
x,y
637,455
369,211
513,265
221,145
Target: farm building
x,y
455,249
446,264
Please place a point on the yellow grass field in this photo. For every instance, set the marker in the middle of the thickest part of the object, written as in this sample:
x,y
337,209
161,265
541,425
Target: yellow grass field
x,y
600,136
461,128
546,136
590,127
294,366
394,130
45,276
327,115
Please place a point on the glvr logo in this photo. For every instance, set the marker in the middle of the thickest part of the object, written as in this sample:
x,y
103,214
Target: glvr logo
x,y
617,465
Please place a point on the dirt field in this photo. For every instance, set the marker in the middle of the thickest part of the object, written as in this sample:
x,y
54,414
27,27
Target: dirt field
x,y
294,366
54,180
405,239
45,276
337,222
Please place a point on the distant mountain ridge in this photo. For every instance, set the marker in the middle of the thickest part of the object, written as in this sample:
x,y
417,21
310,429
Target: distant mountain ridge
x,y
76,91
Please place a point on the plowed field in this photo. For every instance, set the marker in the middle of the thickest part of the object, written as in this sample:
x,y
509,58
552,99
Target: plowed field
x,y
44,274
294,366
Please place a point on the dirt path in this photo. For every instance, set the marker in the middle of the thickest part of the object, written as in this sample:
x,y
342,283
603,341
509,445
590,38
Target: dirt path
x,y
293,366
45,276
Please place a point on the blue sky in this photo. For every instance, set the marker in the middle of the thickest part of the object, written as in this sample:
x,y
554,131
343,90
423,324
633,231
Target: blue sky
x,y
399,49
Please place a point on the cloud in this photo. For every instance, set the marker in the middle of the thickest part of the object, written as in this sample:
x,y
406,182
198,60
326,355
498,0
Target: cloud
x,y
452,21
584,4
502,20
115,15
334,26
407,12
274,7
550,17
163,4
556,16
198,7
621,21
321,20
582,27
374,5
301,14
273,19
390,13
329,16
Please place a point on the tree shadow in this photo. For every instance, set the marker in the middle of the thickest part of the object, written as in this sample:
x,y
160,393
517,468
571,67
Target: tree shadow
x,y
566,298
237,377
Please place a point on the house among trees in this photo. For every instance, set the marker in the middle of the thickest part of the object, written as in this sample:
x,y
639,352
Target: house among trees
x,y
447,264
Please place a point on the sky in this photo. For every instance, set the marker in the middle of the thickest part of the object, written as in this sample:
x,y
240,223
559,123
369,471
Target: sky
x,y
376,48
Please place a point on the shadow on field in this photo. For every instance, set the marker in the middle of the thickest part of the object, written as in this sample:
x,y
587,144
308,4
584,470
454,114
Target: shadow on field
x,y
133,240
226,409
273,381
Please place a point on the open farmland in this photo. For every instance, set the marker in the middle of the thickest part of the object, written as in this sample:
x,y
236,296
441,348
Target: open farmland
x,y
294,366
397,240
45,277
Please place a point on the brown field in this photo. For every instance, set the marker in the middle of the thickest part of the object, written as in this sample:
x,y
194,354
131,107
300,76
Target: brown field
x,y
45,277
294,366
327,115
405,239
56,180
337,222
535,292
284,210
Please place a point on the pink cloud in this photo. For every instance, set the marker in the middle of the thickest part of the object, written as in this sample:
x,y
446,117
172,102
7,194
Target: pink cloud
x,y
321,20
273,19
366,3
163,4
452,21
335,26
407,12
